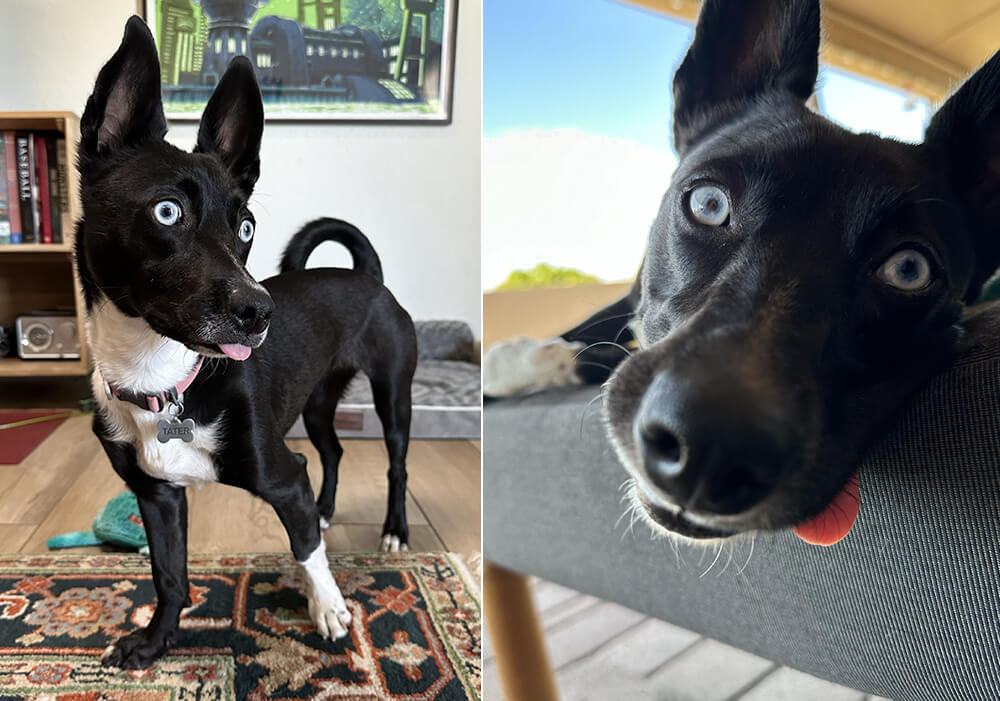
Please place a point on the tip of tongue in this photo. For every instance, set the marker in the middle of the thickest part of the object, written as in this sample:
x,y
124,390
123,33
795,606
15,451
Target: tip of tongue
x,y
235,350
833,523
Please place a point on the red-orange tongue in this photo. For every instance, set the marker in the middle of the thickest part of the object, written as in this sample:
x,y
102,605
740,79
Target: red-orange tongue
x,y
834,522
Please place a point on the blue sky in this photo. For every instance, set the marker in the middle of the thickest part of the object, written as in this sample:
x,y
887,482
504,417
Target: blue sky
x,y
576,120
595,65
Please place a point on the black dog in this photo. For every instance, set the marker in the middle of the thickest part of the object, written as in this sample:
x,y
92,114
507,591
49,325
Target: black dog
x,y
161,253
800,283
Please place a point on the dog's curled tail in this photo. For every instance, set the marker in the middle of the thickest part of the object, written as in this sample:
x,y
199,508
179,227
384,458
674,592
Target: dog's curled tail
x,y
326,229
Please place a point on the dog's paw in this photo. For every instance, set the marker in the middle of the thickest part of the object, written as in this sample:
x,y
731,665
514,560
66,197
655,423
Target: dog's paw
x,y
136,650
525,365
392,543
395,533
327,607
331,618
323,523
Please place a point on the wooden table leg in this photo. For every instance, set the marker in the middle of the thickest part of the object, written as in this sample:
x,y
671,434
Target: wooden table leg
x,y
525,671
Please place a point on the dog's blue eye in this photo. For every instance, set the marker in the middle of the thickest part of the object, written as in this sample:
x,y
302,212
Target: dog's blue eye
x,y
709,205
167,212
906,270
246,231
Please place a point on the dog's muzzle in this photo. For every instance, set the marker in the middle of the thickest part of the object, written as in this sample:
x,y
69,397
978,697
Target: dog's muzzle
x,y
251,309
708,445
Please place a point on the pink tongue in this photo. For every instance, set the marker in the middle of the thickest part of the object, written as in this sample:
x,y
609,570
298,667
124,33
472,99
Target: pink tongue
x,y
834,522
235,350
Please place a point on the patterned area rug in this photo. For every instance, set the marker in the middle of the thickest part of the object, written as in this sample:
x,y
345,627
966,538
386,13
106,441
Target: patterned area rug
x,y
416,632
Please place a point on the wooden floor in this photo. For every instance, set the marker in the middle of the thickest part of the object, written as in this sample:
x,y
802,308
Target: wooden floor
x,y
63,483
605,651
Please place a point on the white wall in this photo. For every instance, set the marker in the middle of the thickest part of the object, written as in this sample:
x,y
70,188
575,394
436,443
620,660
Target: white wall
x,y
415,191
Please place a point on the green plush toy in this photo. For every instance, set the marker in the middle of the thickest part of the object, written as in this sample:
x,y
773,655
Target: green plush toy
x,y
118,523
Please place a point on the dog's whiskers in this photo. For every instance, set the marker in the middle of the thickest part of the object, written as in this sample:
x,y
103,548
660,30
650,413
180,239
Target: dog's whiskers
x,y
622,329
583,416
753,540
627,487
602,320
729,560
638,515
626,512
717,555
677,551
619,346
594,363
633,510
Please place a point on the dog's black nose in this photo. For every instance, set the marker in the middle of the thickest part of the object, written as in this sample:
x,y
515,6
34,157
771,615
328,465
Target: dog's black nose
x,y
252,309
709,446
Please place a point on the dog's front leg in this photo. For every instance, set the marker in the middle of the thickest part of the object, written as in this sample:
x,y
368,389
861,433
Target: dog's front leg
x,y
288,491
165,518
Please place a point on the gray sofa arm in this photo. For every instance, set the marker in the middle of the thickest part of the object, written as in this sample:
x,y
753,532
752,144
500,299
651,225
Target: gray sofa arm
x,y
907,606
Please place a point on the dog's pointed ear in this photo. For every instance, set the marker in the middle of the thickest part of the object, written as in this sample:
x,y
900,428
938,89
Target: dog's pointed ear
x,y
125,108
233,122
743,49
964,140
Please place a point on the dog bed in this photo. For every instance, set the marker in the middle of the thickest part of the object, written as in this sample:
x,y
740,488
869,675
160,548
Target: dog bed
x,y
446,391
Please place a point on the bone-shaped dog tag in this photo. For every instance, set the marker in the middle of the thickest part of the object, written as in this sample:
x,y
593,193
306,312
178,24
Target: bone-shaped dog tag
x,y
174,430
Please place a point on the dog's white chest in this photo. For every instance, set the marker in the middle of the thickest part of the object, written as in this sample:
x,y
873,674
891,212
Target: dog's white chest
x,y
176,461
132,355
182,463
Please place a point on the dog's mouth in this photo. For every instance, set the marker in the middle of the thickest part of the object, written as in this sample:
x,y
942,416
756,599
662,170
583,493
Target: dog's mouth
x,y
828,527
212,338
677,521
233,351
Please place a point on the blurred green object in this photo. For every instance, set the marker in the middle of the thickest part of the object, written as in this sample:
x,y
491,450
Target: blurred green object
x,y
118,523
545,275
991,290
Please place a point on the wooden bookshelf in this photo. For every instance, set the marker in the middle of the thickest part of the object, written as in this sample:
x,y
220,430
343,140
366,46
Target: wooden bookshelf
x,y
42,276
22,248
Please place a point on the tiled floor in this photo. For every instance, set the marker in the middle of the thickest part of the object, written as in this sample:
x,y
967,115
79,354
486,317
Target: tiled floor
x,y
603,651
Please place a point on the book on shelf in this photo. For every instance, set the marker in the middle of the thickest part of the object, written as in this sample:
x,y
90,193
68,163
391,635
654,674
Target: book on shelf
x,y
58,187
10,177
34,188
44,202
4,202
27,192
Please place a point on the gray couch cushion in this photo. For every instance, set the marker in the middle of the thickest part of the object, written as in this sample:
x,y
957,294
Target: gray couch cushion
x,y
907,606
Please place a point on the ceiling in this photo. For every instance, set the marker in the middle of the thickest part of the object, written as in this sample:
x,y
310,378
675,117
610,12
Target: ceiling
x,y
924,46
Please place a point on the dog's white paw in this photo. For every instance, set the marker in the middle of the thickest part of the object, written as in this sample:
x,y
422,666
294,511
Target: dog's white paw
x,y
323,523
526,365
330,618
391,544
327,607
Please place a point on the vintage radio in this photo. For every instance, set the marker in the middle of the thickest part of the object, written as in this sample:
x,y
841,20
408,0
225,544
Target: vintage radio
x,y
46,336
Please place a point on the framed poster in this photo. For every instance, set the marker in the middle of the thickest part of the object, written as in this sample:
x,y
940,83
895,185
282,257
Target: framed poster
x,y
345,60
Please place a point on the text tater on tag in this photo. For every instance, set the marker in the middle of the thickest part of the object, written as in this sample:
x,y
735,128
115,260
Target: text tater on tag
x,y
176,430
